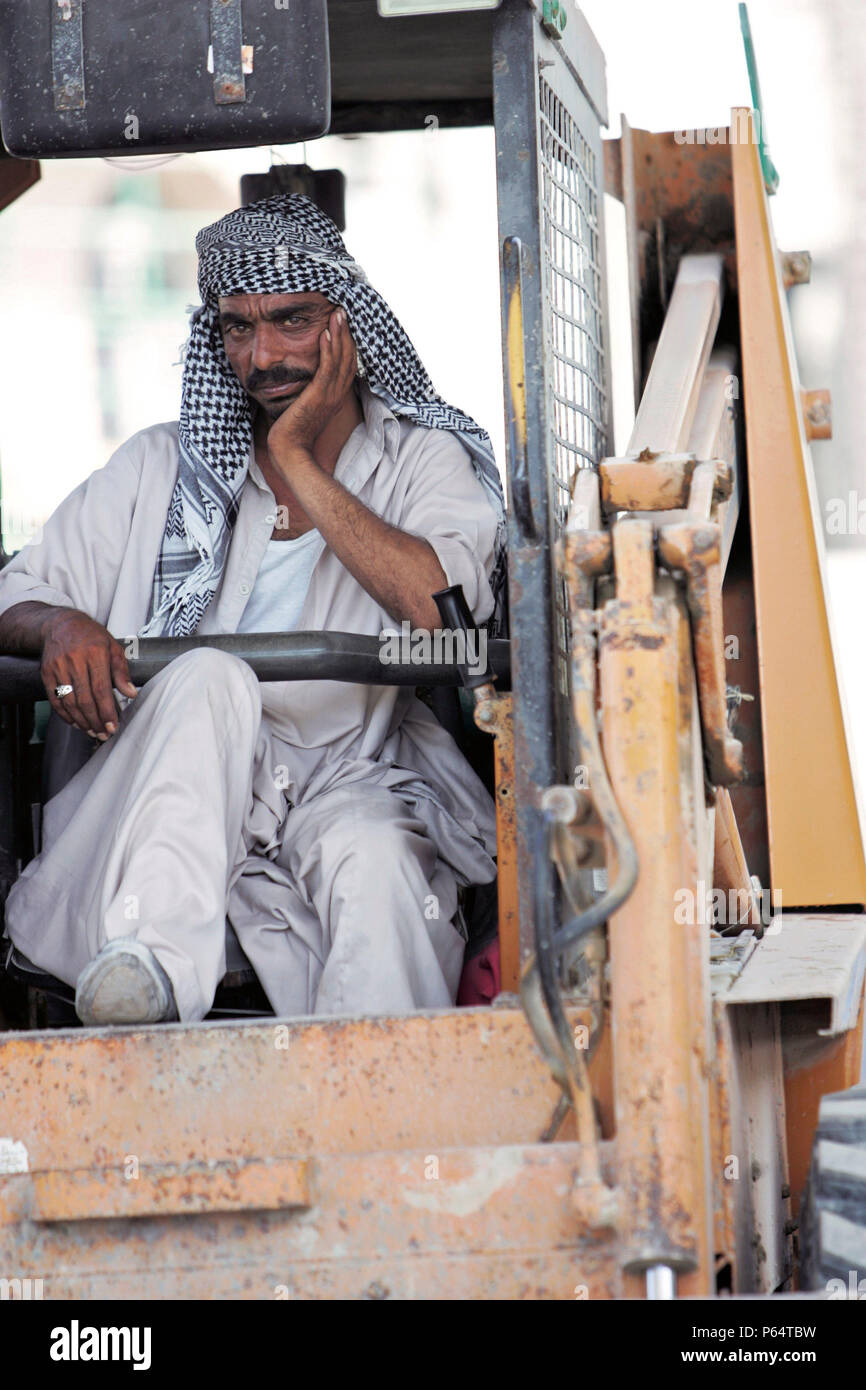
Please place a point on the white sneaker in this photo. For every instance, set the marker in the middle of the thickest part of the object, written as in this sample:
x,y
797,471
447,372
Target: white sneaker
x,y
125,983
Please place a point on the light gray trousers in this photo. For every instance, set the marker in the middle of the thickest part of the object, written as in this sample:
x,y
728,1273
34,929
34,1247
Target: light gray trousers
x,y
159,836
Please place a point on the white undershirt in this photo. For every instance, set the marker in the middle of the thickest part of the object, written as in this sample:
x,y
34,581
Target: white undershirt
x,y
281,585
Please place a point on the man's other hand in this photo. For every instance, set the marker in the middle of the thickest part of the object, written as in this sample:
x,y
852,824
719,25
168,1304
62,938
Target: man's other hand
x,y
80,652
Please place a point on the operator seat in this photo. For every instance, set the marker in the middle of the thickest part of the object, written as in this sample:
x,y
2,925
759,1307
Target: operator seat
x,y
240,993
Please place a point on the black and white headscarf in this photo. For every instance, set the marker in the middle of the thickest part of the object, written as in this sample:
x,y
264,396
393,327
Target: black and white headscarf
x,y
279,245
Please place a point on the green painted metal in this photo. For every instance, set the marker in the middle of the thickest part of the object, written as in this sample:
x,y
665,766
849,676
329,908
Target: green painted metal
x,y
768,168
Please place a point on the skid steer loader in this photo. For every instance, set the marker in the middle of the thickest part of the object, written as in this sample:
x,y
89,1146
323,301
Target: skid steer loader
x,y
660,1101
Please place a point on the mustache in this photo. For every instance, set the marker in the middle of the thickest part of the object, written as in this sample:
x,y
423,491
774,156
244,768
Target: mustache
x,y
275,376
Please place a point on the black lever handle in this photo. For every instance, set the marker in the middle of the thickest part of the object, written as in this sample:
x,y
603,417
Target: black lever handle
x,y
457,617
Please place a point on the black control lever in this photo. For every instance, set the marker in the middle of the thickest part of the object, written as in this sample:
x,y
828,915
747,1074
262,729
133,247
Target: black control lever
x,y
457,617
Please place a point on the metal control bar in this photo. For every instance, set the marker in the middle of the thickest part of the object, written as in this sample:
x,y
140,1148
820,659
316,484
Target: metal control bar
x,y
279,656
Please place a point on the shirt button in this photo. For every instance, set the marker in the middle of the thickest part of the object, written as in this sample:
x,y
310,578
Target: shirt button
x,y
243,589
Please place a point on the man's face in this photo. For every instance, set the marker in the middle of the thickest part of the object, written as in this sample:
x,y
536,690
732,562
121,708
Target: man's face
x,y
272,343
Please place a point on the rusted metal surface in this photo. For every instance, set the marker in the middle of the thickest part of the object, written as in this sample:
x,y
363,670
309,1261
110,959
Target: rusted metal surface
x,y
815,858
227,41
659,978
601,1077
713,436
660,478
695,549
372,1181
796,268
585,552
67,55
267,1184
179,1094
750,1170
695,546
727,1189
659,482
474,1223
804,959
676,187
653,744
817,416
495,716
744,686
564,808
592,554
651,481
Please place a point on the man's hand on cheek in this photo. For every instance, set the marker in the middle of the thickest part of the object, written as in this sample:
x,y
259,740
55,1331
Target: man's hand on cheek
x,y
296,430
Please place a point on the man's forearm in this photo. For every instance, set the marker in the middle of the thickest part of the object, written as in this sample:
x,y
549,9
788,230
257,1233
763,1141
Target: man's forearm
x,y
398,570
22,627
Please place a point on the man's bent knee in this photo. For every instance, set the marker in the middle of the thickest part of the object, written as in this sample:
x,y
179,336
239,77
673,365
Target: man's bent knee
x,y
205,669
387,837
210,664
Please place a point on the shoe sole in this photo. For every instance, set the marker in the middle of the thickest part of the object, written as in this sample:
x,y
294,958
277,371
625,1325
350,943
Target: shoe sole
x,y
125,984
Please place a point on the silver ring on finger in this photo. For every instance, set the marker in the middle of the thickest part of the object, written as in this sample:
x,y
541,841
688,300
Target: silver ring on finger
x,y
61,690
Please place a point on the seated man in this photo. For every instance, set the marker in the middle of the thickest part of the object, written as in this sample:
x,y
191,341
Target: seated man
x,y
316,481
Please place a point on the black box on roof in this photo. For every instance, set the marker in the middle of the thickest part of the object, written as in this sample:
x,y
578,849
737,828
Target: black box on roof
x,y
105,77
326,187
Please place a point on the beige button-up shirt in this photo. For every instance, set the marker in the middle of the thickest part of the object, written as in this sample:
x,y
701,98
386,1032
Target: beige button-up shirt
x,y
98,550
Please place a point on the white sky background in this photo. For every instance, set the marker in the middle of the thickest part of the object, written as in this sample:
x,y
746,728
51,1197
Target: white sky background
x,y
422,221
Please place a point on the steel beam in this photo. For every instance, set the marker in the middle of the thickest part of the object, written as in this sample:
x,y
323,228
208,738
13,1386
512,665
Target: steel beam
x,y
815,820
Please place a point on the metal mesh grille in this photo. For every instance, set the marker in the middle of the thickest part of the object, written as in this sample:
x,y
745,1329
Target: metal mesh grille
x,y
574,323
571,246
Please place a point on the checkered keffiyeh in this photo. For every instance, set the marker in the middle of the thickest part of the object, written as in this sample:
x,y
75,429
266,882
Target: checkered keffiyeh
x,y
279,245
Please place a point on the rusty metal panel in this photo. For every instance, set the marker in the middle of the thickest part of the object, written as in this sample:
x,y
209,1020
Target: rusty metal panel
x,y
758,1150
659,968
477,1223
181,1093
750,1176
678,201
744,698
358,1158
162,1189
728,1191
496,716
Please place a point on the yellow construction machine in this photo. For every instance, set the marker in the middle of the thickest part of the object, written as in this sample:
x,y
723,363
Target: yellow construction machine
x,y
660,1100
